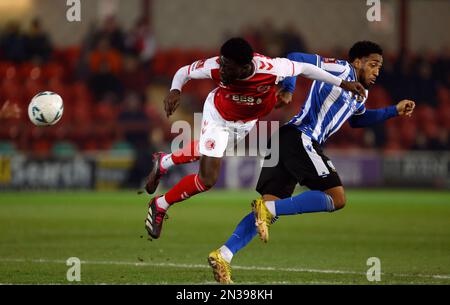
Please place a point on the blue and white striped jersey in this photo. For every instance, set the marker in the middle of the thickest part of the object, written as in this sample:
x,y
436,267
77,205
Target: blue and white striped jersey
x,y
327,107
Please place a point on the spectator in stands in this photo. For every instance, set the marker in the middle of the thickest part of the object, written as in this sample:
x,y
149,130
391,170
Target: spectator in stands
x,y
13,43
135,126
141,41
406,79
88,44
388,78
105,65
134,77
441,68
38,43
112,32
104,53
292,40
253,36
271,39
105,83
134,122
424,82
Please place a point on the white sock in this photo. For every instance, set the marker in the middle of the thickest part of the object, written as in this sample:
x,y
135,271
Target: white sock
x,y
270,205
167,162
162,203
226,254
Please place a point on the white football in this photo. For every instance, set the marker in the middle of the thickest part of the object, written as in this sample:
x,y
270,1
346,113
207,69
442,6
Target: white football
x,y
46,108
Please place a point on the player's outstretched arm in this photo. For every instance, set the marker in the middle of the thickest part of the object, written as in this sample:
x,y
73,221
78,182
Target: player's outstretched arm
x,y
288,84
313,72
316,73
374,116
201,69
307,65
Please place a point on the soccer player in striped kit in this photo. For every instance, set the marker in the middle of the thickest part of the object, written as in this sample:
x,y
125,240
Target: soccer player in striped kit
x,y
246,91
301,159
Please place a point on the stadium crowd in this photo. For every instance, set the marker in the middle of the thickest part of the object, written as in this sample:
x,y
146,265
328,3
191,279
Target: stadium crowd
x,y
114,82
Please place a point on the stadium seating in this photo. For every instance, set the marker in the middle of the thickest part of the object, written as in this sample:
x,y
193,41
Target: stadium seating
x,y
92,125
64,149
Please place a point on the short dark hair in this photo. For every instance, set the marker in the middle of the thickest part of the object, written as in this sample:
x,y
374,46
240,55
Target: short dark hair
x,y
238,50
362,49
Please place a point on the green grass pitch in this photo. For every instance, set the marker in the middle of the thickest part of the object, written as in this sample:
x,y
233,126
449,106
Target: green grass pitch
x,y
409,231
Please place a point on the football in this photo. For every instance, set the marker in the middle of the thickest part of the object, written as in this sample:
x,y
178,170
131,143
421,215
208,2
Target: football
x,y
46,108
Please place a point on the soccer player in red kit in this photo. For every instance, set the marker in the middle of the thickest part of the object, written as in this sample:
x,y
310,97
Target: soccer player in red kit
x,y
246,91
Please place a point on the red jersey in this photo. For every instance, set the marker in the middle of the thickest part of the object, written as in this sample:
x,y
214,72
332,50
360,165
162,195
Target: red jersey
x,y
243,99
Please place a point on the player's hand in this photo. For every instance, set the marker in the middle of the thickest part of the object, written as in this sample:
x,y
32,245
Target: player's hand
x,y
283,98
9,111
406,107
171,102
354,87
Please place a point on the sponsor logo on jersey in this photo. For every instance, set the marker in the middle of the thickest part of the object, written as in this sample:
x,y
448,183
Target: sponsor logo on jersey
x,y
244,99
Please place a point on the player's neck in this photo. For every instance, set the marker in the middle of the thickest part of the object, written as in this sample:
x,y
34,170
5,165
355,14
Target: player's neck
x,y
356,71
248,73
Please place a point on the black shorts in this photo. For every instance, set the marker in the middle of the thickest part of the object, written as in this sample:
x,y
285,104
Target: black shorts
x,y
301,160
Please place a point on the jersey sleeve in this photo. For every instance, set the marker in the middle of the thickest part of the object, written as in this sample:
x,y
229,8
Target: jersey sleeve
x,y
201,69
288,83
312,59
360,110
372,116
288,68
334,66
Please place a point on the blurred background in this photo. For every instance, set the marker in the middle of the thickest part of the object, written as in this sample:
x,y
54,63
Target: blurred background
x,y
114,67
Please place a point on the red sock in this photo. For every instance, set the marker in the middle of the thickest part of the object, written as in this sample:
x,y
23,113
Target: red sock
x,y
187,154
187,187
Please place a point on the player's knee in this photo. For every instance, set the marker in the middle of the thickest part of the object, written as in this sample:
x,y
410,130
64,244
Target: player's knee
x,y
339,201
208,180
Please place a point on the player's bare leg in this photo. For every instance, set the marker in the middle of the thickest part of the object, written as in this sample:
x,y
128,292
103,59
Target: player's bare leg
x,y
338,195
162,162
187,187
155,174
209,170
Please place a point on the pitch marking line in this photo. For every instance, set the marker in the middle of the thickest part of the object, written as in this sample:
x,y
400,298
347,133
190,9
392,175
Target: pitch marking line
x,y
198,266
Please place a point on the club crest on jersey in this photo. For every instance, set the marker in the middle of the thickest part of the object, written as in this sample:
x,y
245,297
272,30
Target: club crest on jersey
x,y
263,89
210,144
